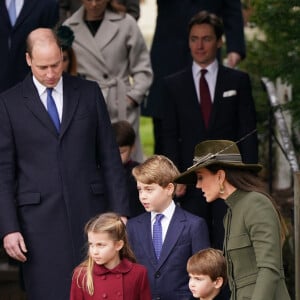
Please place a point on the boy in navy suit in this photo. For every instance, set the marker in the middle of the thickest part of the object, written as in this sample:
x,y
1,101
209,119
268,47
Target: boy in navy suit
x,y
165,236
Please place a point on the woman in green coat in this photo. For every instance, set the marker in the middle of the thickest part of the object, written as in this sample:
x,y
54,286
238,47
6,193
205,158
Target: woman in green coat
x,y
254,229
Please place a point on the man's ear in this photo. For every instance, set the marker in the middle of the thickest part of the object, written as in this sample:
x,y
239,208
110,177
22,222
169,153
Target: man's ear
x,y
28,59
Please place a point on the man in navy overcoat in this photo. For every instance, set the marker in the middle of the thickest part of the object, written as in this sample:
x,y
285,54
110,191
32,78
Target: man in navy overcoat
x,y
52,181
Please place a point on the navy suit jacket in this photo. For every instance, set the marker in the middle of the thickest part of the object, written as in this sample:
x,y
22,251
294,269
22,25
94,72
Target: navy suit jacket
x,y
186,235
233,115
51,184
34,14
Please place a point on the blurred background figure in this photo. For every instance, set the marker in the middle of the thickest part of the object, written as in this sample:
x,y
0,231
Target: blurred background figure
x,y
66,38
17,19
111,50
170,49
125,137
68,7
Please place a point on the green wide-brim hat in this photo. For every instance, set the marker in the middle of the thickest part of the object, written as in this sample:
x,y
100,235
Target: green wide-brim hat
x,y
215,152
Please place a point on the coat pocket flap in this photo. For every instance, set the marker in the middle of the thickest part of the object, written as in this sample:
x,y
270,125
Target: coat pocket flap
x,y
238,241
28,199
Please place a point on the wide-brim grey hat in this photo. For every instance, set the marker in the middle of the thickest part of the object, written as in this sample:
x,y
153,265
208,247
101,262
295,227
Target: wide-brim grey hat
x,y
215,152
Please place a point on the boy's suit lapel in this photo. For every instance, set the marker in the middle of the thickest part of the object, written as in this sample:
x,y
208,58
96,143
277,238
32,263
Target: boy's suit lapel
x,y
146,239
174,232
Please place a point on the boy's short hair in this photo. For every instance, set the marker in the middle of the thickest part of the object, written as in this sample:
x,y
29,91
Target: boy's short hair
x,y
156,169
125,135
210,262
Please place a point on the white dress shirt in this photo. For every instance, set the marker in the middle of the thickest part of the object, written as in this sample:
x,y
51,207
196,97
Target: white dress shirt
x,y
165,221
210,76
57,95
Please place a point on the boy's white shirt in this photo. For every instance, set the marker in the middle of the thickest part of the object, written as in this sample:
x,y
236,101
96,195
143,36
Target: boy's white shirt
x,y
165,222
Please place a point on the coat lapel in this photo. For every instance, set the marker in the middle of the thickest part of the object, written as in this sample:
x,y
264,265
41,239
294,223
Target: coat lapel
x,y
218,94
146,238
28,8
70,101
174,231
35,105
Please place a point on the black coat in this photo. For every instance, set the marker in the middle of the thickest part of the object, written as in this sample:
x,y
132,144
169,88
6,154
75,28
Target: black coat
x,y
50,184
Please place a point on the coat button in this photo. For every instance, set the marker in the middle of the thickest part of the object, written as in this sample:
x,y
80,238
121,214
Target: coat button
x,y
157,275
105,76
119,294
103,277
104,295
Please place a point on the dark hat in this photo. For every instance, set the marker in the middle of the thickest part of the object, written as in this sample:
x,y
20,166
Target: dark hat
x,y
65,36
215,152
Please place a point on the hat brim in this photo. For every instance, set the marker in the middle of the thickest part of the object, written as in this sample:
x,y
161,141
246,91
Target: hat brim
x,y
189,176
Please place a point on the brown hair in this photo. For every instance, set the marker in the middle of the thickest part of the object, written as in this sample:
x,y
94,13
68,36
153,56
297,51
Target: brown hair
x,y
210,262
156,169
112,224
204,17
125,135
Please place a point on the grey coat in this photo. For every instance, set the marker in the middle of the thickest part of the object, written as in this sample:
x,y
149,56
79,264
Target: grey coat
x,y
117,58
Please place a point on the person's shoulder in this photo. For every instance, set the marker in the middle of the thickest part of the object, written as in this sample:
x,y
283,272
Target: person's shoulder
x,y
78,81
233,72
177,76
192,218
138,219
79,271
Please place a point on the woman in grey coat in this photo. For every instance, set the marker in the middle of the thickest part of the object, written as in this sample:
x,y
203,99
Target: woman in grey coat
x,y
111,50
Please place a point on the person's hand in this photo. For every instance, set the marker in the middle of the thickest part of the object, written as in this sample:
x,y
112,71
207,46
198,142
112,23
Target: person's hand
x,y
233,58
180,190
14,246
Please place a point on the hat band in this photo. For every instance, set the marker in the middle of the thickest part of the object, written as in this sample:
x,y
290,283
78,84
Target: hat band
x,y
220,157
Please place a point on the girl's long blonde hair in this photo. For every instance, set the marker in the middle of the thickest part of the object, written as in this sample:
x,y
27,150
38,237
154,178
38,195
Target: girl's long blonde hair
x,y
112,224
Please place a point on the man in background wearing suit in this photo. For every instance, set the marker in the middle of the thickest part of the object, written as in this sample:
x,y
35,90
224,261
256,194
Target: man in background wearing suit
x,y
59,166
17,19
231,114
170,51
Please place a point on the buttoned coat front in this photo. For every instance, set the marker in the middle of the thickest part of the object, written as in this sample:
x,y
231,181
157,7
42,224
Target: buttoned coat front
x,y
253,249
51,184
117,58
127,281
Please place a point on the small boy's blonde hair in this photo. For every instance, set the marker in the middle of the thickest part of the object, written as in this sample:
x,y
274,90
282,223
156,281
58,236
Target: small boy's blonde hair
x,y
156,169
210,262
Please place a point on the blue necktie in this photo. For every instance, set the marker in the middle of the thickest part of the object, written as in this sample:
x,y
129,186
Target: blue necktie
x,y
52,109
157,235
12,12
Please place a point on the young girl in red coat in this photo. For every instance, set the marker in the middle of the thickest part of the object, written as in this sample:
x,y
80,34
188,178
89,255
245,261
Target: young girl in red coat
x,y
110,271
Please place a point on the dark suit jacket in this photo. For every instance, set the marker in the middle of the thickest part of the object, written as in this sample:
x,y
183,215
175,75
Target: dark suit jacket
x,y
170,51
186,235
50,184
34,14
232,117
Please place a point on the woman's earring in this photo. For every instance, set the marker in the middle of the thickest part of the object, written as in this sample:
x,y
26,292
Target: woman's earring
x,y
222,191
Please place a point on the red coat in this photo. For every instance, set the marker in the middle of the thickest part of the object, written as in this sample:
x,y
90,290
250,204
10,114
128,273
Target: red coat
x,y
127,281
